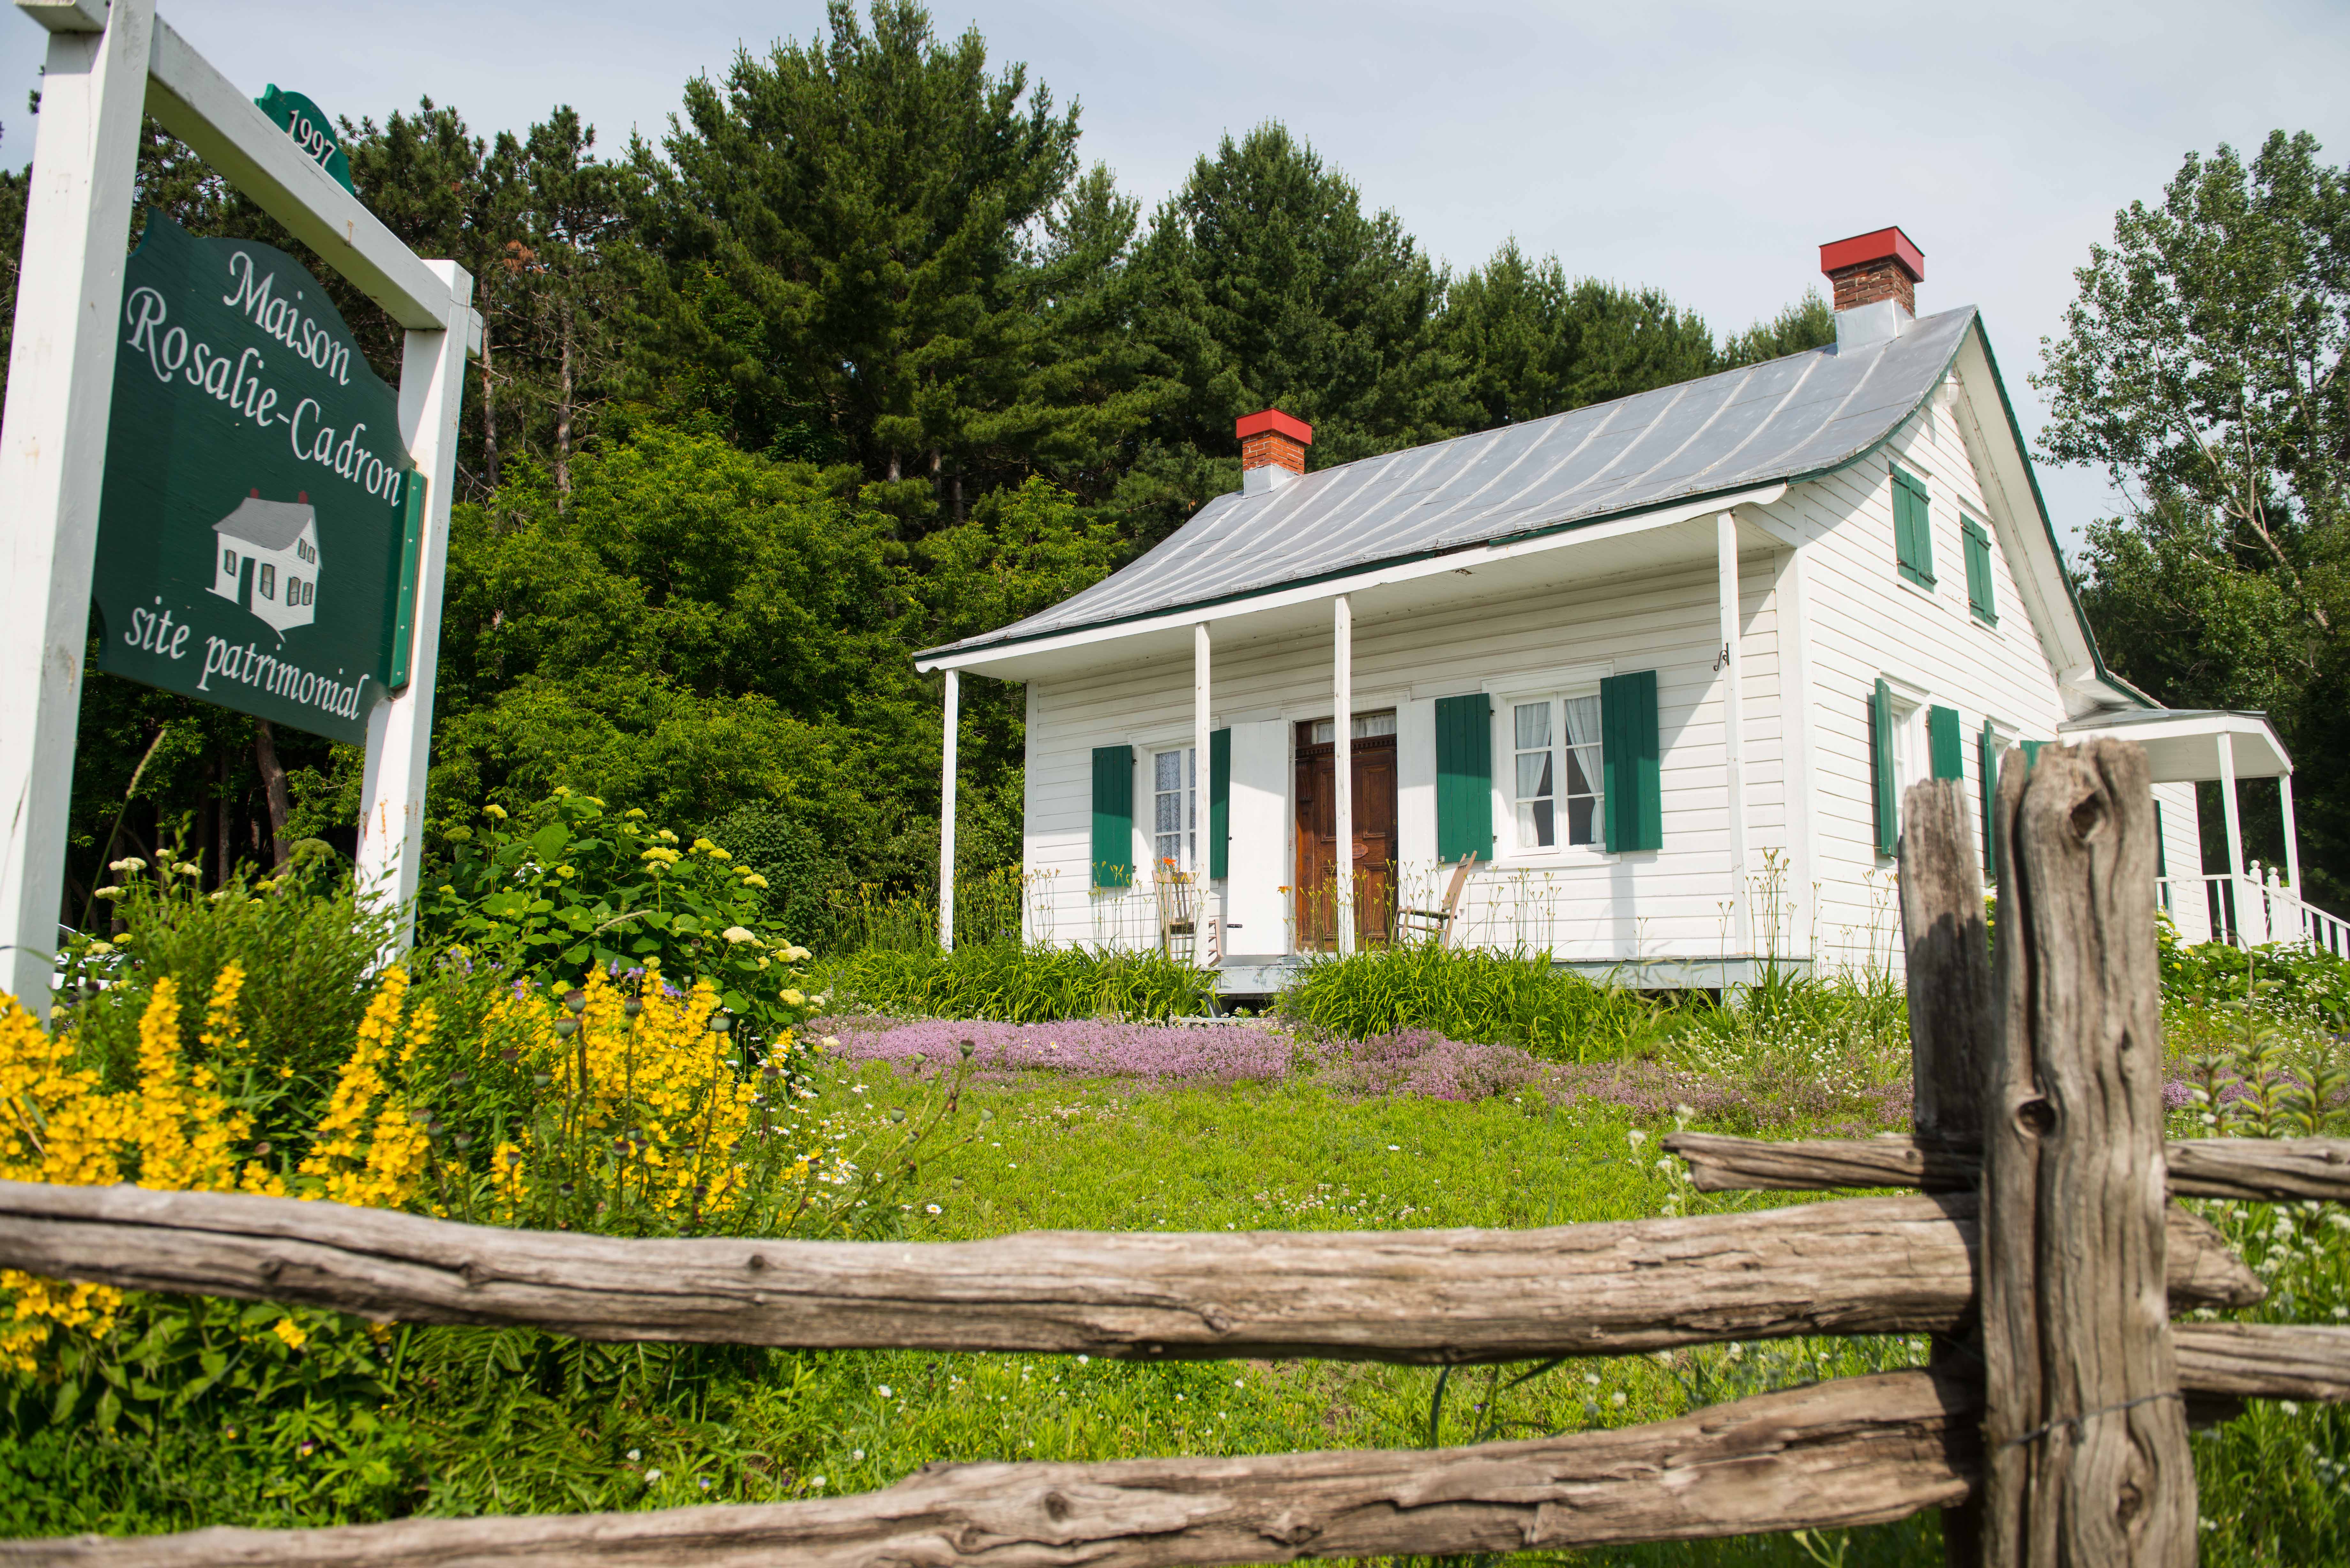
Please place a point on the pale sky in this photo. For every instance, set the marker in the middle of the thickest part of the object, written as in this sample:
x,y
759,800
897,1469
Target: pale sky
x,y
1707,149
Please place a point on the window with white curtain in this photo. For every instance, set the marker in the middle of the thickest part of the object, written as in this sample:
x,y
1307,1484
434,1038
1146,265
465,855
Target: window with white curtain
x,y
1555,772
1175,808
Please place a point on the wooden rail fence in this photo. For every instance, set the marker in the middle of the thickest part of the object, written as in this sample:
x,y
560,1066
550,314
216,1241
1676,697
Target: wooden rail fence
x,y
2040,1250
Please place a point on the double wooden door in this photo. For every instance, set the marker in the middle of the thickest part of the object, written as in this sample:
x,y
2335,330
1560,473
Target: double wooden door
x,y
1371,857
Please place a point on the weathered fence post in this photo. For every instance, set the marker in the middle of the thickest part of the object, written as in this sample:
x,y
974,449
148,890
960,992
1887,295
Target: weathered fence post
x,y
1952,1018
1951,1025
2084,1432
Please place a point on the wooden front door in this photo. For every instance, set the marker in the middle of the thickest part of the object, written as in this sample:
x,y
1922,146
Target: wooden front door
x,y
1373,858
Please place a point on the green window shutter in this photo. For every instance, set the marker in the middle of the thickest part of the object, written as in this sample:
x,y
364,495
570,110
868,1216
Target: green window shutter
x,y
1220,805
1913,532
1113,816
1880,769
1464,777
1979,578
2031,752
1630,763
1987,765
1942,744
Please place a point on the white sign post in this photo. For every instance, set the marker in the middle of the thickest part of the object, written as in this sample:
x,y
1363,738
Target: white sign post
x,y
108,63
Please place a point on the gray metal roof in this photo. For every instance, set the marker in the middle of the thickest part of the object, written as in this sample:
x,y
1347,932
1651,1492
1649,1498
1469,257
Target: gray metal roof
x,y
266,524
1784,420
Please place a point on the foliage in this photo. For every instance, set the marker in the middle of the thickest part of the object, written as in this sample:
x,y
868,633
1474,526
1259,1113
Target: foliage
x,y
567,887
1807,323
1845,1041
1536,343
837,236
1514,999
1016,984
2200,369
1263,283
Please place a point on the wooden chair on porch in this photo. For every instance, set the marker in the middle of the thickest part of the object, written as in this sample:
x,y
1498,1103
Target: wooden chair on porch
x,y
1179,911
1438,923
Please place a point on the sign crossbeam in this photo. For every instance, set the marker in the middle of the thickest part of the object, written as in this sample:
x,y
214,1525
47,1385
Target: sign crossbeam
x,y
108,62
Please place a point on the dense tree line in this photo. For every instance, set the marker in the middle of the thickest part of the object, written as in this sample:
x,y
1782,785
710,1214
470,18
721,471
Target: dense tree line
x,y
859,356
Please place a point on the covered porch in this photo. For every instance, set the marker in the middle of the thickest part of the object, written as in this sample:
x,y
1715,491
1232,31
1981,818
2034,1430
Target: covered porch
x,y
2244,904
1253,740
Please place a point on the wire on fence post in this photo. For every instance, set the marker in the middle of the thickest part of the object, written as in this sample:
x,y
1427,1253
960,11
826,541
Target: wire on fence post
x,y
2085,1454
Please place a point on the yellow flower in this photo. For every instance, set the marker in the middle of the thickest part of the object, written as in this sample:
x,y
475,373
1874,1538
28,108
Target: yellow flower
x,y
752,880
664,835
701,845
498,812
718,854
563,791
795,954
793,999
634,812
738,934
660,855
99,948
291,1333
565,871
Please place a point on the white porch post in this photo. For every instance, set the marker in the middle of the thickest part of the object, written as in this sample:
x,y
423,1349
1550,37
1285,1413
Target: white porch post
x,y
1341,731
53,450
2301,922
2292,835
1208,922
399,729
2236,903
1733,726
947,816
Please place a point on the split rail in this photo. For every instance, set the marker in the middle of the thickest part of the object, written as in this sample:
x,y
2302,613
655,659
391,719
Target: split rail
x,y
2039,1248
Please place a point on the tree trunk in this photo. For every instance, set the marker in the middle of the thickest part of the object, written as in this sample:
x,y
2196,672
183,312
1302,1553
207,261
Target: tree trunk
x,y
957,485
563,400
273,780
225,833
489,409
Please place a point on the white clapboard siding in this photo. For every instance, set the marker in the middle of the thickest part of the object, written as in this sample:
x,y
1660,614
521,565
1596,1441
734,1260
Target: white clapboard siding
x,y
1866,621
2182,853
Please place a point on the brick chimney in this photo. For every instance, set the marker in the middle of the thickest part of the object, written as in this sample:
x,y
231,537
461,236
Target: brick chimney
x,y
1876,277
1272,451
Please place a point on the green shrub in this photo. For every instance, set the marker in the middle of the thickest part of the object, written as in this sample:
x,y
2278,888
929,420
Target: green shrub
x,y
562,887
1013,984
1497,999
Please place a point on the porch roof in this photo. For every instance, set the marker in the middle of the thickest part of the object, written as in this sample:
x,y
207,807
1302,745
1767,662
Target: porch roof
x,y
1785,420
2182,744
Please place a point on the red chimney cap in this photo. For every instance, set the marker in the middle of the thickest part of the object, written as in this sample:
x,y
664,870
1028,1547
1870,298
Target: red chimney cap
x,y
1876,245
1277,421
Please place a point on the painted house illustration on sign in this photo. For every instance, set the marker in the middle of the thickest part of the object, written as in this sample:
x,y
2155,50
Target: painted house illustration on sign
x,y
267,559
1638,685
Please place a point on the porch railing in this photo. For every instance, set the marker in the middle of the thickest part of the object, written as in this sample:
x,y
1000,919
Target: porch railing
x,y
2250,910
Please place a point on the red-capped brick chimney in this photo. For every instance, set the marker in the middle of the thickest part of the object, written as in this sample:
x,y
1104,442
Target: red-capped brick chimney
x,y
1272,450
1876,277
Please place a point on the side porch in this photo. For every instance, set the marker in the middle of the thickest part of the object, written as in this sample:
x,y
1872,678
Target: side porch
x,y
2242,903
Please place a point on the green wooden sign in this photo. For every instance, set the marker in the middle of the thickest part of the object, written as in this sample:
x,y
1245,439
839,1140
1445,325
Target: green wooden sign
x,y
312,132
259,520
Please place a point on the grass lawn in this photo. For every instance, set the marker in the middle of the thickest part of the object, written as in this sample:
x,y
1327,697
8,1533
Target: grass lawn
x,y
504,1420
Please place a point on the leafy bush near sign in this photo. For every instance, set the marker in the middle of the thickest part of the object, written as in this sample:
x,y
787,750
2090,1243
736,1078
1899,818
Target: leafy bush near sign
x,y
562,886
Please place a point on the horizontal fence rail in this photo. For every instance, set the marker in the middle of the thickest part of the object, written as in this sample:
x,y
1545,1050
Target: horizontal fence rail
x,y
1860,1450
2274,1171
1863,1265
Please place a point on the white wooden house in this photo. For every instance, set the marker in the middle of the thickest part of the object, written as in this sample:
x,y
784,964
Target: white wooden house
x,y
1662,665
265,559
